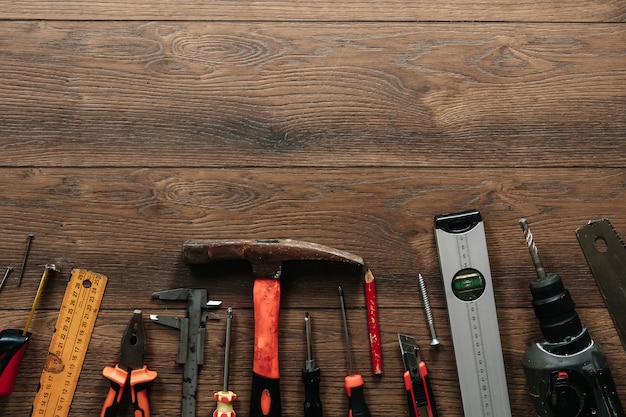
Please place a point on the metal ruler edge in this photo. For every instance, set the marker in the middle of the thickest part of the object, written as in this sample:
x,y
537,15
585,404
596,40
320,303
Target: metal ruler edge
x,y
69,344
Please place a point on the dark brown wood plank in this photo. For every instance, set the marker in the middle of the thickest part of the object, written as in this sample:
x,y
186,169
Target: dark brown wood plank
x,y
129,224
312,94
323,10
382,215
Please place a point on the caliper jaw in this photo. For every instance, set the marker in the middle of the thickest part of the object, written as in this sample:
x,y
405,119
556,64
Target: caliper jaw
x,y
192,336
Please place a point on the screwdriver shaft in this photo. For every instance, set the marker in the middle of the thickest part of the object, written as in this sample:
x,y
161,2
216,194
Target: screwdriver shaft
x,y
225,398
42,283
229,319
309,347
353,383
345,329
311,377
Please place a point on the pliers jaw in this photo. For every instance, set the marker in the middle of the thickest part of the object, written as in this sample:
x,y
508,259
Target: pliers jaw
x,y
129,371
133,343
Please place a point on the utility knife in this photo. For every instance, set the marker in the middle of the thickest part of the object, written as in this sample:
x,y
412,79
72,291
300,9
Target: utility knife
x,y
416,381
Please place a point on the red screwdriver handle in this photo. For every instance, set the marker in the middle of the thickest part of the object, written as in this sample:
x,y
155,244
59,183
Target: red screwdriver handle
x,y
12,347
357,407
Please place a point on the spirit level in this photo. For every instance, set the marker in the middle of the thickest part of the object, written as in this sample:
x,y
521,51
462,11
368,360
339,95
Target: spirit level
x,y
462,249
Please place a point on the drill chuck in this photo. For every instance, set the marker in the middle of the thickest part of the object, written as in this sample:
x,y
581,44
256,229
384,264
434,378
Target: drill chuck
x,y
560,325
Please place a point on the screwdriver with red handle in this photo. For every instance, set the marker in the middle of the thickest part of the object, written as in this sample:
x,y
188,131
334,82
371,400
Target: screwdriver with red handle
x,y
13,342
353,383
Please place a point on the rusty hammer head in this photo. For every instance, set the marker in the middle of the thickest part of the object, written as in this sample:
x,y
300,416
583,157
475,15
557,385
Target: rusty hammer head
x,y
265,256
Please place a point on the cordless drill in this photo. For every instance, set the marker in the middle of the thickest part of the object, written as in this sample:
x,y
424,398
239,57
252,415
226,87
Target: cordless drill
x,y
567,373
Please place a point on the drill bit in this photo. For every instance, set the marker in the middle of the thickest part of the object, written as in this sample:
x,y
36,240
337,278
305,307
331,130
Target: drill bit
x,y
534,254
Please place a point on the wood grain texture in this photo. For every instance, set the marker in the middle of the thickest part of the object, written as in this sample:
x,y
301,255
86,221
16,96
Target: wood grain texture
x,y
323,10
311,94
128,127
129,224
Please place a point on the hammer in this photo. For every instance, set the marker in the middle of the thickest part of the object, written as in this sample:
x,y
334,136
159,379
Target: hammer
x,y
266,258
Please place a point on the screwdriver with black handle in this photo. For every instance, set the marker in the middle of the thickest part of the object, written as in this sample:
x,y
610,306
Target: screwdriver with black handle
x,y
353,383
311,377
13,342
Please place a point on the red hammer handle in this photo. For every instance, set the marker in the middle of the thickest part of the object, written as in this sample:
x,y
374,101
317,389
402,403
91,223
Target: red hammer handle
x,y
265,401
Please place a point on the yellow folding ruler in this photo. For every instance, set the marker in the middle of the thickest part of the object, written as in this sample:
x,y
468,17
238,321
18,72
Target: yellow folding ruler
x,y
69,343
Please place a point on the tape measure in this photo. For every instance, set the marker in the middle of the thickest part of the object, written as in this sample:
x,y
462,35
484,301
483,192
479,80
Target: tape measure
x,y
69,344
462,249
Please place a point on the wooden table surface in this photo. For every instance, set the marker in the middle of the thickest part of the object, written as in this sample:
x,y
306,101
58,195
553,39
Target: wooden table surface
x,y
127,128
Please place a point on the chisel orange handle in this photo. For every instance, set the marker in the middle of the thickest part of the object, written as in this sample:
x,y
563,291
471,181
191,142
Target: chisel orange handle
x,y
12,347
139,380
265,398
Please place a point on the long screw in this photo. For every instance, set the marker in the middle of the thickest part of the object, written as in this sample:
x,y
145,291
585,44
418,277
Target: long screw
x,y
534,254
427,309
29,240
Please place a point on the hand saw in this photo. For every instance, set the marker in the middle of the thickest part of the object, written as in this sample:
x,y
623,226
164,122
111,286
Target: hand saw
x,y
606,256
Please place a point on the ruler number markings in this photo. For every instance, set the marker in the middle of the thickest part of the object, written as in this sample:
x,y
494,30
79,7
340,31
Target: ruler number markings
x,y
76,321
476,332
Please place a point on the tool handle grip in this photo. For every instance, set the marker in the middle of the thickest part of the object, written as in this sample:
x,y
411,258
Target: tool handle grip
x,y
357,407
118,378
265,399
428,389
225,401
312,402
12,347
410,394
139,380
266,298
609,392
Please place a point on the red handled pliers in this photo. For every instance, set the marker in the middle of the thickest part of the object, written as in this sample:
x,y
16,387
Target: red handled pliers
x,y
130,371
